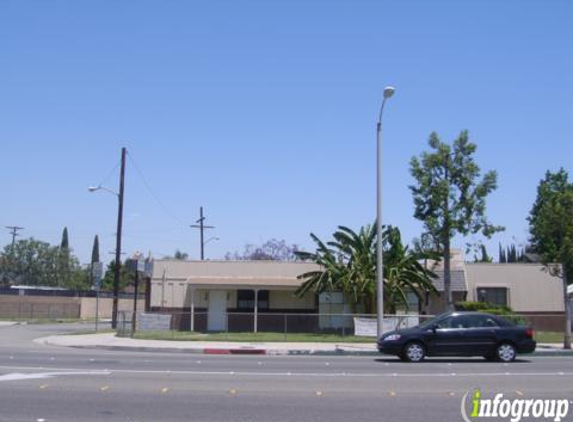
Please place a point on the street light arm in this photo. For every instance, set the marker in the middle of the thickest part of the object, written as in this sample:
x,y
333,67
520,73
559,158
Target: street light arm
x,y
96,188
379,124
211,239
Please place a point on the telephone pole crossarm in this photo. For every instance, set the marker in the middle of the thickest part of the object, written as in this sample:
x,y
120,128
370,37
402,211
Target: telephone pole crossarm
x,y
201,226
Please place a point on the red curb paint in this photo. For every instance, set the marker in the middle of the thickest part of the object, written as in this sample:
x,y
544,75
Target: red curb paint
x,y
217,352
248,351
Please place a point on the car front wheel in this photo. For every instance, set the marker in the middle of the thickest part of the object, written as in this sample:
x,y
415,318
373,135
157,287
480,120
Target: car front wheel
x,y
413,352
506,352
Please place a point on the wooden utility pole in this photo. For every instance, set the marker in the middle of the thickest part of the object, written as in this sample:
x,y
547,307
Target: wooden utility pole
x,y
14,232
118,241
201,226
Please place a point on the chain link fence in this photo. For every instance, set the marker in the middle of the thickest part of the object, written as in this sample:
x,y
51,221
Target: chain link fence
x,y
279,326
249,326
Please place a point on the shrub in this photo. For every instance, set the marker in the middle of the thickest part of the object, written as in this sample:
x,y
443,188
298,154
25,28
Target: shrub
x,y
490,308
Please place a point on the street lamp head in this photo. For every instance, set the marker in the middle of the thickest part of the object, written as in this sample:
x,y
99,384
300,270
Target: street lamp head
x,y
389,91
212,239
93,188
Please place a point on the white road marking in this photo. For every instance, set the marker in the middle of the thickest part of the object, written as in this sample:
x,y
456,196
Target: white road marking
x,y
79,371
16,376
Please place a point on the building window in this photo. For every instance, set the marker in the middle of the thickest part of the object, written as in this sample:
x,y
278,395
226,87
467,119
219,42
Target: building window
x,y
246,300
493,295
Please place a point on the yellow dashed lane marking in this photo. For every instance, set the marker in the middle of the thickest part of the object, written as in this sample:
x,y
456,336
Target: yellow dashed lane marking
x,y
104,388
43,386
165,390
319,393
232,391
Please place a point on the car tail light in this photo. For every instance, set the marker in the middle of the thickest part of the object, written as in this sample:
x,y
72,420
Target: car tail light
x,y
529,333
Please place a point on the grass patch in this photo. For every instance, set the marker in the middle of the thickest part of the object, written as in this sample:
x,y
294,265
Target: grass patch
x,y
548,337
54,320
251,337
83,332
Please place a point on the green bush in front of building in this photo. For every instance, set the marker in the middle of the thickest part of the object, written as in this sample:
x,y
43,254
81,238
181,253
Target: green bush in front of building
x,y
490,308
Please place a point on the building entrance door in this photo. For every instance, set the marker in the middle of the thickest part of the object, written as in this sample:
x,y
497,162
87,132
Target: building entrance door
x,y
217,318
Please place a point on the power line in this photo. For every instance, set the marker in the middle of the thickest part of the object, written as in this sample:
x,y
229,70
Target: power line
x,y
153,194
113,170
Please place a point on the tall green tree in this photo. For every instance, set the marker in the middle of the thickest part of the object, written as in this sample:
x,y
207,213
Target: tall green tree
x,y
348,264
65,243
36,263
126,277
502,255
95,258
484,257
551,229
179,255
95,250
450,196
64,269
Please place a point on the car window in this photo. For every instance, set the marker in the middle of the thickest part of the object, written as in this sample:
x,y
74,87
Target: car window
x,y
478,321
444,323
450,322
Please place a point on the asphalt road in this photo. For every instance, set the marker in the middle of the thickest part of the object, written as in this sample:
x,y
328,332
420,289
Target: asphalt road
x,y
45,383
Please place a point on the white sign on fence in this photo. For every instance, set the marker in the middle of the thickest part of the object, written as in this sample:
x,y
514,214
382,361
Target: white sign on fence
x,y
153,322
368,327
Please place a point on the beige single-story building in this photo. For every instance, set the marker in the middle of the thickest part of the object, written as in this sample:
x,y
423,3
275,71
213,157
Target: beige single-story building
x,y
256,295
527,289
233,295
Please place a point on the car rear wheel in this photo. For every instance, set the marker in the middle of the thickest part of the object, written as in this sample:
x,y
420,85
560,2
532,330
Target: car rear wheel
x,y
506,352
413,352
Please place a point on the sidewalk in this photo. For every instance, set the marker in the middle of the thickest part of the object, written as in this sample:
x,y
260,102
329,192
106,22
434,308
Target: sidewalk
x,y
110,342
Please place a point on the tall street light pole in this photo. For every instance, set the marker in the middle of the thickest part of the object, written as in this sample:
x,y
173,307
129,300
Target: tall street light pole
x,y
388,92
117,269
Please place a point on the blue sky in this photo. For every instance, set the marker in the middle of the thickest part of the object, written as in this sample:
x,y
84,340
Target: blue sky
x,y
264,113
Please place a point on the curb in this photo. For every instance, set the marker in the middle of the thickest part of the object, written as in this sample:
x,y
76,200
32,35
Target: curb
x,y
262,351
558,352
215,351
11,323
246,352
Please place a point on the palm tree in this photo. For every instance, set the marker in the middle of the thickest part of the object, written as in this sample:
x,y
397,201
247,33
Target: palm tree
x,y
348,264
326,279
404,273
